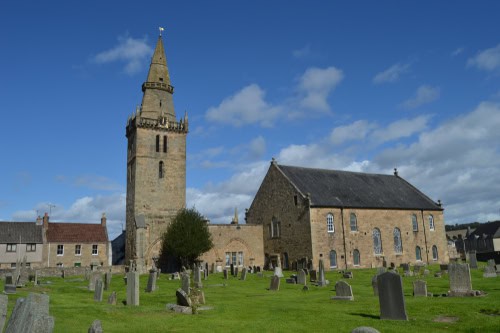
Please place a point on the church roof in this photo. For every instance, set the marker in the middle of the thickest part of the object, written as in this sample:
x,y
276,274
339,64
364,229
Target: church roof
x,y
333,188
487,230
76,233
20,233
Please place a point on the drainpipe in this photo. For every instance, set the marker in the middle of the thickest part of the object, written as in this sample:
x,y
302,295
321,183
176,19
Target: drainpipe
x,y
425,236
343,235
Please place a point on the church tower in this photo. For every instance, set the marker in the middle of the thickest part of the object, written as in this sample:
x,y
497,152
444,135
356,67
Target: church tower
x,y
156,164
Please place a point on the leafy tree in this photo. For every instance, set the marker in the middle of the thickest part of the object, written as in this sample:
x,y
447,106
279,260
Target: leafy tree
x,y
186,238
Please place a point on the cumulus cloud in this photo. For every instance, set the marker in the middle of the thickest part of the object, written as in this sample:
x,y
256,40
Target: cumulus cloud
x,y
355,131
425,94
316,84
488,60
401,129
130,51
391,74
247,106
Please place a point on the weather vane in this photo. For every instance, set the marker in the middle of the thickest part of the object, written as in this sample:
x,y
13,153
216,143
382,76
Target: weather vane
x,y
161,29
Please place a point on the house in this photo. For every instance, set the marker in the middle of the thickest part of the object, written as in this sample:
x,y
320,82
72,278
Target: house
x,y
20,240
485,240
348,219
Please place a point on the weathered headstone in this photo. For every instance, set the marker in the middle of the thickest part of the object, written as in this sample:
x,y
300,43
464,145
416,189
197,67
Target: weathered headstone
x,y
278,271
206,268
31,314
321,279
232,269
93,278
365,329
491,262
133,288
406,270
112,298
343,291
489,272
243,274
4,300
225,273
472,259
236,271
391,297
87,273
375,285
185,282
96,327
99,288
180,309
107,280
182,298
301,277
212,269
197,277
312,276
420,288
275,283
35,282
151,281
460,281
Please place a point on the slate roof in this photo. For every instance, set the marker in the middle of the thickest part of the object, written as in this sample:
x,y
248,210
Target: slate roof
x,y
333,188
76,233
490,229
20,232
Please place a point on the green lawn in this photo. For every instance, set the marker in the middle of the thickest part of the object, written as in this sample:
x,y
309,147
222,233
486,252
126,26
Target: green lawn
x,y
246,306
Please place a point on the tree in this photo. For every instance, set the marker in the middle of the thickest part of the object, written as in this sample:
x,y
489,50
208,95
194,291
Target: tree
x,y
186,238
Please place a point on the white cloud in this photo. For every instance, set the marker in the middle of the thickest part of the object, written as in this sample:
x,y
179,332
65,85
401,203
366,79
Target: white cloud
x,y
425,94
488,60
355,131
391,74
401,129
302,53
94,182
316,84
247,106
133,52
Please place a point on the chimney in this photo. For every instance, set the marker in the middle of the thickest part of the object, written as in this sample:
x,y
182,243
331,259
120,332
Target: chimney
x,y
103,219
46,221
39,220
396,172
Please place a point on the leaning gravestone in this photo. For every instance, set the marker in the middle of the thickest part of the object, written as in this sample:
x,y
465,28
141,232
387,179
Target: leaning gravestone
x,y
112,298
321,279
343,291
275,283
96,327
182,298
99,288
31,314
151,281
420,288
4,299
133,288
460,282
301,277
472,259
185,282
391,297
243,274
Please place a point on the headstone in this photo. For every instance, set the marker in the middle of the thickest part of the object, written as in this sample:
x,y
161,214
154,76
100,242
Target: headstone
x,y
347,275
63,273
185,282
225,273
31,314
321,280
460,282
212,271
258,269
312,276
343,291
275,283
489,272
197,277
491,262
291,280
182,298
406,268
107,280
301,277
180,309
236,271
375,285
87,273
206,268
4,300
9,279
232,269
443,268
365,329
133,288
96,327
254,269
420,288
152,281
35,282
112,298
99,288
243,274
472,259
391,297
93,278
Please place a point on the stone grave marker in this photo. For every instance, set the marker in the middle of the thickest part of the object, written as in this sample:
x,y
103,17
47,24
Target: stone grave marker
x,y
460,282
31,314
197,277
301,277
347,275
182,298
96,327
185,282
112,298
4,299
406,269
365,329
225,272
206,268
152,281
9,287
87,273
472,259
258,269
391,297
107,280
35,282
243,274
375,285
343,291
232,269
93,278
133,288
321,279
443,268
489,272
420,288
99,288
312,276
212,269
236,271
491,262
381,270
275,283
278,271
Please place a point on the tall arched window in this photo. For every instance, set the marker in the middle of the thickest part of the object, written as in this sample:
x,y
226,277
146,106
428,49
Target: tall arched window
x,y
356,258
329,223
434,252
377,241
418,253
431,222
157,143
161,172
353,222
414,222
164,143
333,259
398,244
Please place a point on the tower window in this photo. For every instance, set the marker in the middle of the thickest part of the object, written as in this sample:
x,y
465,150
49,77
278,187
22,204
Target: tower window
x,y
161,79
164,143
157,143
160,170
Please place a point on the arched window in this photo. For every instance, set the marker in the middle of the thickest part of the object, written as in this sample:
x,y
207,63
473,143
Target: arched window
x,y
161,172
418,253
275,229
398,244
356,257
377,241
434,252
414,222
431,222
329,223
157,143
333,259
164,143
353,222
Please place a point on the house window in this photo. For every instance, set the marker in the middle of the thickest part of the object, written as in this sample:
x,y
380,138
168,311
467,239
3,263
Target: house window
x,y
78,250
414,222
329,223
431,222
13,265
233,258
94,250
418,253
59,264
228,258
164,143
60,250
157,143
30,247
353,222
356,257
434,253
240,258
333,259
398,245
160,170
295,200
11,247
377,241
275,230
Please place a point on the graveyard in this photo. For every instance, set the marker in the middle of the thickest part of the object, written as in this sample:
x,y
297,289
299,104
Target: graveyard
x,y
234,304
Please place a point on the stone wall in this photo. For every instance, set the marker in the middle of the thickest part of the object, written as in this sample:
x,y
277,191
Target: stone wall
x,y
58,272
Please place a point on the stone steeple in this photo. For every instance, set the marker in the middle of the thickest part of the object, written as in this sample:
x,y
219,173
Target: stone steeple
x,y
157,102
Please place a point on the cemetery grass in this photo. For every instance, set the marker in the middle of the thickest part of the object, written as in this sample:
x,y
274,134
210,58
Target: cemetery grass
x,y
247,306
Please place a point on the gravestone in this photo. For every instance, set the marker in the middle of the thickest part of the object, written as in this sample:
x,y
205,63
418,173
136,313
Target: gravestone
x,y
312,276
347,275
243,274
112,298
491,262
182,298
96,327
35,282
31,314
63,273
254,269
9,287
406,269
472,259
185,282
232,269
197,277
87,274
225,272
460,282
99,288
301,277
489,272
375,285
107,280
212,268
4,299
275,283
321,279
278,271
236,271
365,329
420,288
152,281
133,288
391,297
443,268
343,291
258,269
93,278
291,280
206,268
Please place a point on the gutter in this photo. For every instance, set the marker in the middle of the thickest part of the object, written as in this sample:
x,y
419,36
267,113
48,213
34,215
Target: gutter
x,y
343,235
425,237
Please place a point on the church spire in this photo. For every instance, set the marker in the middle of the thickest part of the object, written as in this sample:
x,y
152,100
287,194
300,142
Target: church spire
x,y
157,101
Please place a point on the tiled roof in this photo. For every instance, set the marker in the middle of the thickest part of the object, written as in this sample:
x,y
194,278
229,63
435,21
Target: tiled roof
x,y
20,232
333,188
76,233
491,229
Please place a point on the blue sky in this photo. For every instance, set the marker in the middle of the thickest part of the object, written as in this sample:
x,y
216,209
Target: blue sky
x,y
364,86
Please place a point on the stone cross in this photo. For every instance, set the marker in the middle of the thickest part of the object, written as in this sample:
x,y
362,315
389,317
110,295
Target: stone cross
x,y
343,291
391,297
420,288
460,281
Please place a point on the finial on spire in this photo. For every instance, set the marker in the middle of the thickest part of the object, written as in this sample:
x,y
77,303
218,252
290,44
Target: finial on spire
x,y
161,29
